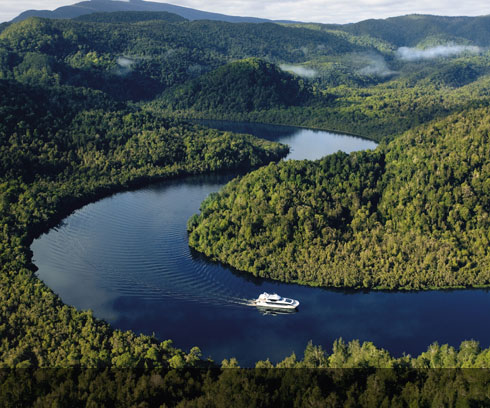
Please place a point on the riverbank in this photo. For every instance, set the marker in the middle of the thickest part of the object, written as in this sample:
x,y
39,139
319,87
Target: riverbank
x,y
127,258
40,330
408,215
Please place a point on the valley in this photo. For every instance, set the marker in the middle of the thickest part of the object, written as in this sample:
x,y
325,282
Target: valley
x,y
106,103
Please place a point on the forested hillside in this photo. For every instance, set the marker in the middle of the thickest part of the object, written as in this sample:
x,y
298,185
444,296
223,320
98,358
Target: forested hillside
x,y
240,87
400,31
95,105
59,149
108,6
360,84
139,60
409,215
124,17
410,30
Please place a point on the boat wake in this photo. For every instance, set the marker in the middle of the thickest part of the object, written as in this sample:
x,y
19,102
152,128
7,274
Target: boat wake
x,y
135,246
135,265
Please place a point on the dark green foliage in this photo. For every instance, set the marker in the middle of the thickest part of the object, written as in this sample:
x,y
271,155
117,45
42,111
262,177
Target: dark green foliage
x,y
412,214
131,17
243,86
159,54
412,29
187,61
60,148
455,75
3,26
353,374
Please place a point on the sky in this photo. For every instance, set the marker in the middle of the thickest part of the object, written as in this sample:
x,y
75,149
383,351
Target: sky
x,y
321,11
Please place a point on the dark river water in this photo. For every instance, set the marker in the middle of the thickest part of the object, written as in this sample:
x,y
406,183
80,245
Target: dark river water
x,y
126,257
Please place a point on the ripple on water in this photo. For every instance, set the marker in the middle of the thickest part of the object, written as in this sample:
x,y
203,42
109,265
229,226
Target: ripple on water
x,y
127,257
118,250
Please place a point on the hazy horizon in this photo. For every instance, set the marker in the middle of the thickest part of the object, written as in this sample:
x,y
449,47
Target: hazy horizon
x,y
333,12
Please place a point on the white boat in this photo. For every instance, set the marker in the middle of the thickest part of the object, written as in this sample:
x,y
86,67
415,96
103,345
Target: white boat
x,y
274,301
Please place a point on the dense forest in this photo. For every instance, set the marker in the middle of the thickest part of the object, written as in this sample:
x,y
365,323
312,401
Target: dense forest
x,y
155,54
61,148
240,87
96,105
356,84
317,378
339,99
413,29
412,214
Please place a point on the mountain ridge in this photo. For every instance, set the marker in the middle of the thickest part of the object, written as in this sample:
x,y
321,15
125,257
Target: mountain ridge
x,y
96,6
410,29
406,30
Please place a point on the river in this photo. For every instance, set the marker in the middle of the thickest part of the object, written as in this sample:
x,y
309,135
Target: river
x,y
126,257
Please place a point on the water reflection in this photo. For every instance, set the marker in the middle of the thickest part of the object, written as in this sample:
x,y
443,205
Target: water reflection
x,y
304,143
127,258
264,131
275,312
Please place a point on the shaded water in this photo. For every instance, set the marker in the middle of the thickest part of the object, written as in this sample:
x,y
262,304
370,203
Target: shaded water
x,y
126,257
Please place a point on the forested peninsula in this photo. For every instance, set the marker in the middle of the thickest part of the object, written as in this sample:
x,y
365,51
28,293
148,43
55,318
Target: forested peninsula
x,y
412,214
97,105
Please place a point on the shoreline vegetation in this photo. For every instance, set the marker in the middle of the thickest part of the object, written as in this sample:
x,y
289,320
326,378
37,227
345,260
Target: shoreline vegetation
x,y
124,149
329,130
376,219
79,122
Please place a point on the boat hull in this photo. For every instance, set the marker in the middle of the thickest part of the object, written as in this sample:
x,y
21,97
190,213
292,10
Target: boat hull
x,y
268,305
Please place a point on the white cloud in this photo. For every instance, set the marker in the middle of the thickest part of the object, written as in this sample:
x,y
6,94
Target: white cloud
x,y
124,62
331,11
374,65
299,70
338,11
414,54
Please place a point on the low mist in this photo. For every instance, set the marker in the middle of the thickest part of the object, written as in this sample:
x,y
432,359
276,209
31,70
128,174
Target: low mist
x,y
375,65
414,54
299,70
124,65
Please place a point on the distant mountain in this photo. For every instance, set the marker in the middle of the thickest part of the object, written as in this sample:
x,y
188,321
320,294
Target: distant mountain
x,y
410,30
139,61
107,6
131,17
